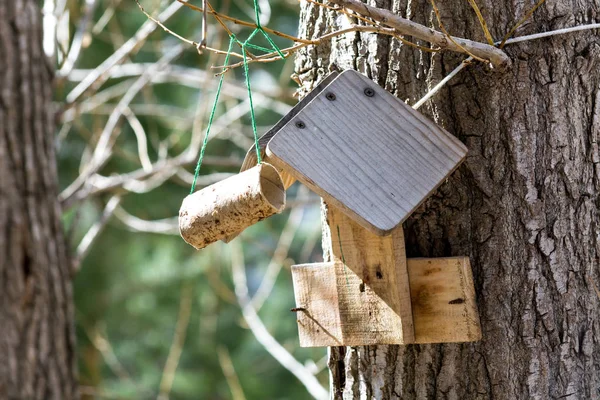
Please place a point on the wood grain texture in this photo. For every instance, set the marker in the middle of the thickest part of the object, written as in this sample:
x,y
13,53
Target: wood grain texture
x,y
442,295
318,317
374,157
250,160
374,300
443,300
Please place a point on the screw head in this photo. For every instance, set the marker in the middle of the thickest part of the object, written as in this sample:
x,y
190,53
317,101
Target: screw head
x,y
369,92
300,125
330,96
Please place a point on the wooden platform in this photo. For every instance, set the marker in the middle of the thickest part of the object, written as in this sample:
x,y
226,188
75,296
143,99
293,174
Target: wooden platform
x,y
441,293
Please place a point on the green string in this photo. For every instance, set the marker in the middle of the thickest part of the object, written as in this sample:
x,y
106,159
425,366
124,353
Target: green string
x,y
252,119
211,117
244,45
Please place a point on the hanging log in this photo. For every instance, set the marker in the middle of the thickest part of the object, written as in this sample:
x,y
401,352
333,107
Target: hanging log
x,y
230,206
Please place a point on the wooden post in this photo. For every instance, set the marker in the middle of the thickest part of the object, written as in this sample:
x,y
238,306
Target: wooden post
x,y
372,282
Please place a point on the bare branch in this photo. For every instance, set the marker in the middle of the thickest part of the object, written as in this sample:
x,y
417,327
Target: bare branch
x,y
183,320
109,12
260,331
274,56
190,77
99,74
83,27
99,184
441,84
93,232
403,26
450,38
237,393
562,31
141,138
484,27
281,252
167,226
103,150
252,25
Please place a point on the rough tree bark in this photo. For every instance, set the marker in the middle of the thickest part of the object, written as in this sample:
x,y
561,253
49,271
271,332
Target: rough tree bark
x,y
524,206
37,339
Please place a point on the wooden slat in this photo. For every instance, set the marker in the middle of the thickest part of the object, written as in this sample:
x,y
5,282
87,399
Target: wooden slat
x,y
315,290
443,300
373,157
374,301
442,295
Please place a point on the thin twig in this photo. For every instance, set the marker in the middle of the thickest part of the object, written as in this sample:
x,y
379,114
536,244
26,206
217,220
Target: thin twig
x,y
519,39
281,253
92,234
371,22
274,56
562,31
98,76
141,138
261,333
521,22
204,39
197,45
244,23
83,28
103,150
441,84
191,77
167,226
484,27
237,393
450,38
102,344
109,12
183,320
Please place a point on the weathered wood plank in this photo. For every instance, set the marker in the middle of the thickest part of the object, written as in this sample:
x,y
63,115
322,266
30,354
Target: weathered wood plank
x,y
442,296
315,290
443,300
374,302
250,160
366,152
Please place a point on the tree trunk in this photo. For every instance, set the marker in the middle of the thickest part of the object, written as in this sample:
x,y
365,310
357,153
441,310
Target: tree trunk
x,y
524,206
37,338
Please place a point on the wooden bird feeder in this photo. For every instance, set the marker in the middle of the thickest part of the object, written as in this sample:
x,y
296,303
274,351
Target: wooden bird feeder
x,y
373,160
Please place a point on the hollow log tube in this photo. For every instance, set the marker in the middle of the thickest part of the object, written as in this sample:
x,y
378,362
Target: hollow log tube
x,y
232,205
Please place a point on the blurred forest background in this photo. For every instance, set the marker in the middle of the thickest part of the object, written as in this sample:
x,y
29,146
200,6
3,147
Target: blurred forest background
x,y
155,318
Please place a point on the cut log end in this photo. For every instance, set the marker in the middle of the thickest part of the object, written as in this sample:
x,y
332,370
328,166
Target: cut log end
x,y
228,207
